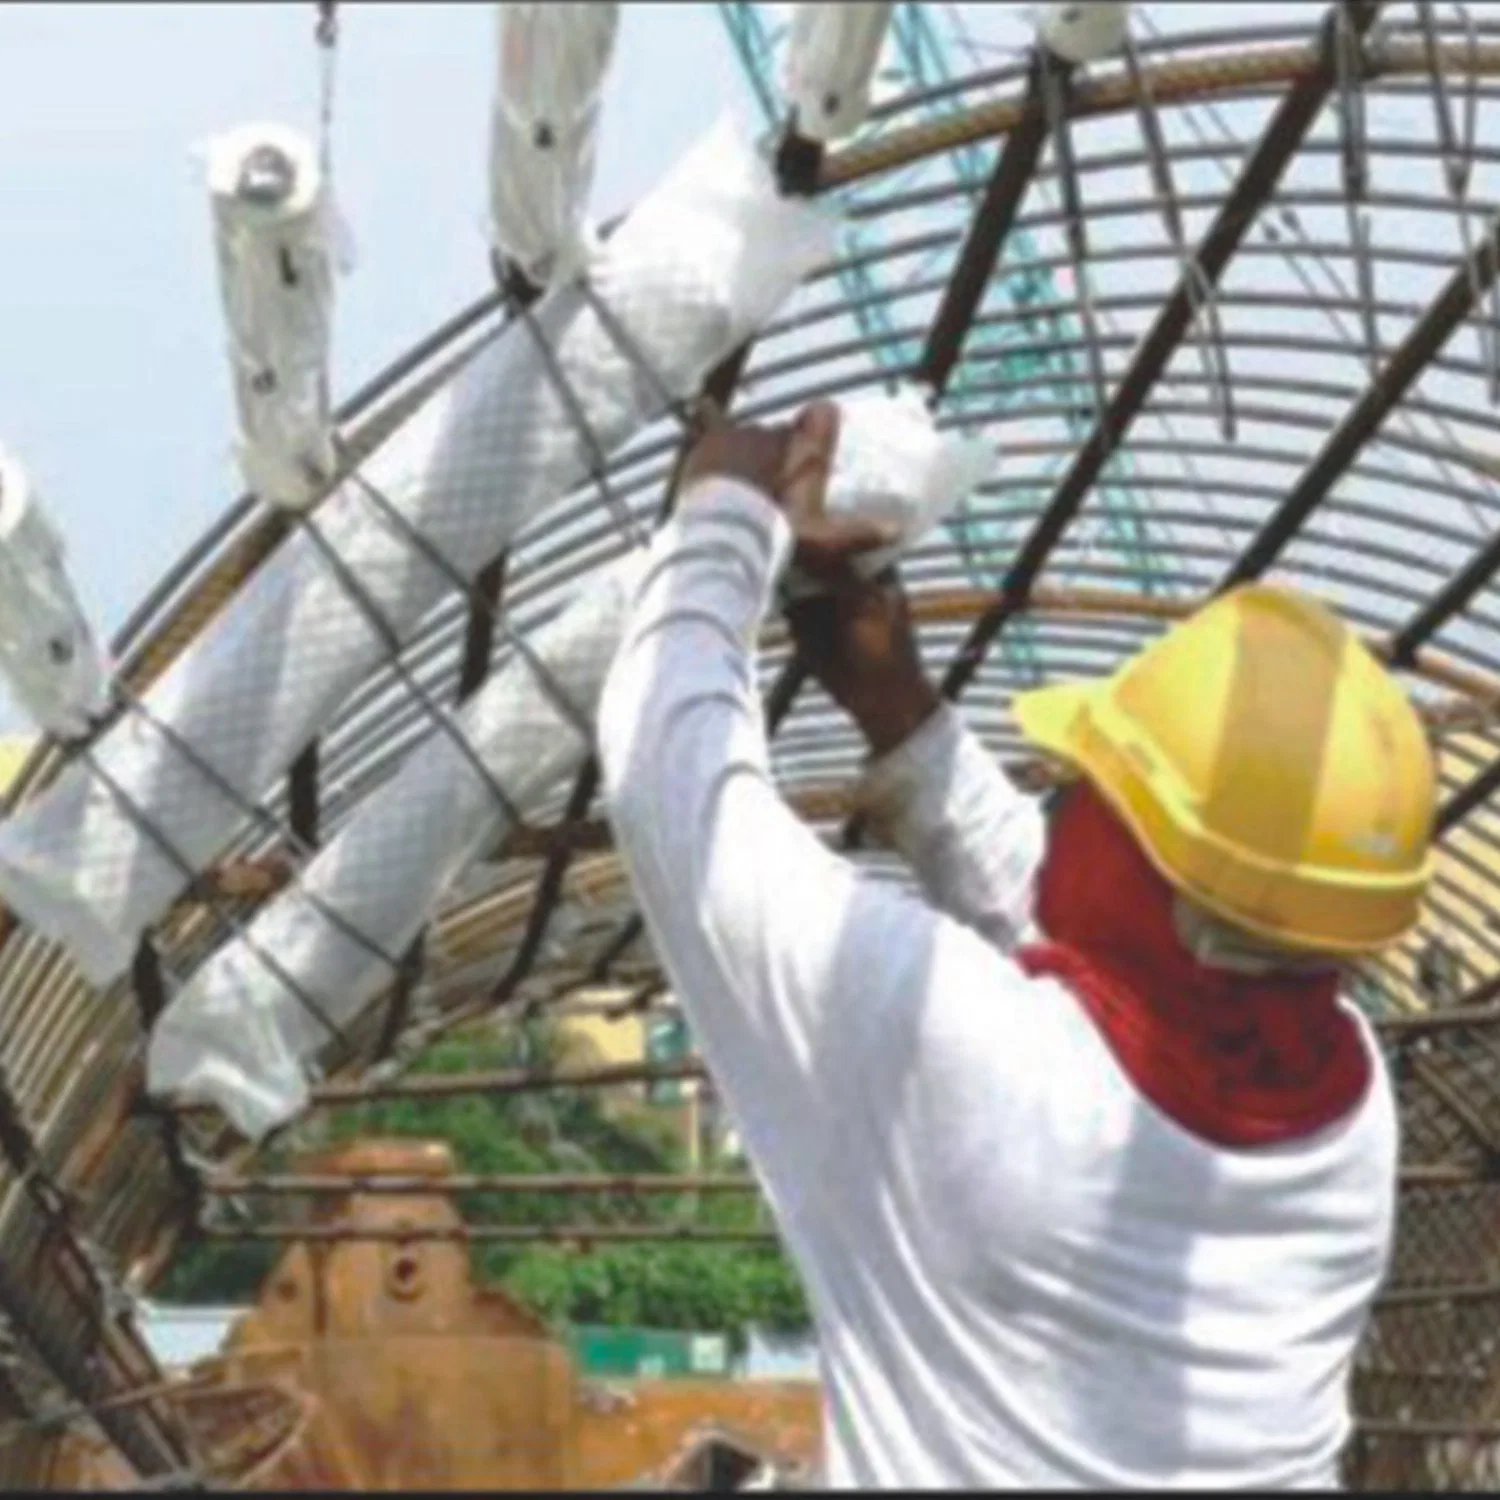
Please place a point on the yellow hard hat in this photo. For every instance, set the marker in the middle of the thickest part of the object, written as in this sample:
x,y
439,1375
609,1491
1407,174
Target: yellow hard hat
x,y
1267,764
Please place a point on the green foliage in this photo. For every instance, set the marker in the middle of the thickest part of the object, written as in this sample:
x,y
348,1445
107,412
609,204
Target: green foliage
x,y
217,1273
712,1288
716,1289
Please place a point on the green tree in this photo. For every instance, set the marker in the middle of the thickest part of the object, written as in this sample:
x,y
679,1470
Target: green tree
x,y
714,1288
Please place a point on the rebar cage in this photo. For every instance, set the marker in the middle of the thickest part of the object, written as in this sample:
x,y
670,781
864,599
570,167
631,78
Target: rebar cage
x,y
1263,338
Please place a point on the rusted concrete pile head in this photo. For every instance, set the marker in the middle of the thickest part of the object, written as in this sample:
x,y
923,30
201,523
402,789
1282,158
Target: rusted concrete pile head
x,y
373,1363
1292,374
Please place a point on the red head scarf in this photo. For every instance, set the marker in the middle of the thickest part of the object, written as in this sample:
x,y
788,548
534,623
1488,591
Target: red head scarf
x,y
1237,1060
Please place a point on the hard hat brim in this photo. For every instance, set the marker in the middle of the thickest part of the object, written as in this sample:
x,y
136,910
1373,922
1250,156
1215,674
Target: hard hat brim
x,y
1045,713
1066,721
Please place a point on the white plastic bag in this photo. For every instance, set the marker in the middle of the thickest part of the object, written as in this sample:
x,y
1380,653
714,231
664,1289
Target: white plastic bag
x,y
832,53
273,228
1082,31
701,263
48,651
239,1035
544,122
893,465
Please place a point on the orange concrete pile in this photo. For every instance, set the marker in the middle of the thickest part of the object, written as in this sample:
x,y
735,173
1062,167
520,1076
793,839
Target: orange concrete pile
x,y
381,1365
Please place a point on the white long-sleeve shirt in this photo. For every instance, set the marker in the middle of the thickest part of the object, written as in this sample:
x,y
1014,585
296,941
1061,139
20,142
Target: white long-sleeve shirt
x,y
1020,1272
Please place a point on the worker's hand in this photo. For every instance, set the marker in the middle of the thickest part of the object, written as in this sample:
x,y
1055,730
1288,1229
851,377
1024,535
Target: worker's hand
x,y
753,455
856,637
790,467
857,640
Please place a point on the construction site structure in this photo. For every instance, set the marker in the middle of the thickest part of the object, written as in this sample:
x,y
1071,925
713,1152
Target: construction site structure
x,y
1282,360
374,1361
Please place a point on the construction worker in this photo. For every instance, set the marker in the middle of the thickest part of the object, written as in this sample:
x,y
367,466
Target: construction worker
x,y
1087,1169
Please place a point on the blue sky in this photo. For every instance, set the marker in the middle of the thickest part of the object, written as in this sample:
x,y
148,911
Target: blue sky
x,y
113,382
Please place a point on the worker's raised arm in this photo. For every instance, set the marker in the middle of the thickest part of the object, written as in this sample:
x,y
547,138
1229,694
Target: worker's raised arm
x,y
933,792
786,960
974,841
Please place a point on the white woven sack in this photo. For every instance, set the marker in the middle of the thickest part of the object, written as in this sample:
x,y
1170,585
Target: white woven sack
x,y
702,263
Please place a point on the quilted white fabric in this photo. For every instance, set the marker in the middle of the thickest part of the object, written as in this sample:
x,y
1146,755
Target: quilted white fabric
x,y
831,57
49,653
701,263
543,129
240,1035
272,236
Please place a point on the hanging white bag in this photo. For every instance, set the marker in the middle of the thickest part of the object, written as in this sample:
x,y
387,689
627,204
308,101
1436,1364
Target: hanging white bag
x,y
273,232
702,263
1083,31
49,653
831,57
552,60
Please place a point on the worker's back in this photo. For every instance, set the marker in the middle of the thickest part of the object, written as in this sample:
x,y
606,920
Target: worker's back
x,y
1026,1274
1022,1271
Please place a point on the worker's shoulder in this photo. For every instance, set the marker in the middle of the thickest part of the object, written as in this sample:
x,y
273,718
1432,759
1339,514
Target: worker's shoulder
x,y
1378,1120
983,1003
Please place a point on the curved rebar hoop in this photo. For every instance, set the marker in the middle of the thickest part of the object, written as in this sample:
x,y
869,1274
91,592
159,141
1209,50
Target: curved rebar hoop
x,y
1241,415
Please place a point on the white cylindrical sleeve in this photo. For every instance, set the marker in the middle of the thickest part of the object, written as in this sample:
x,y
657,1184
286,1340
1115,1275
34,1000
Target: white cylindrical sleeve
x,y
544,123
49,653
241,1035
272,232
703,262
1082,31
831,57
